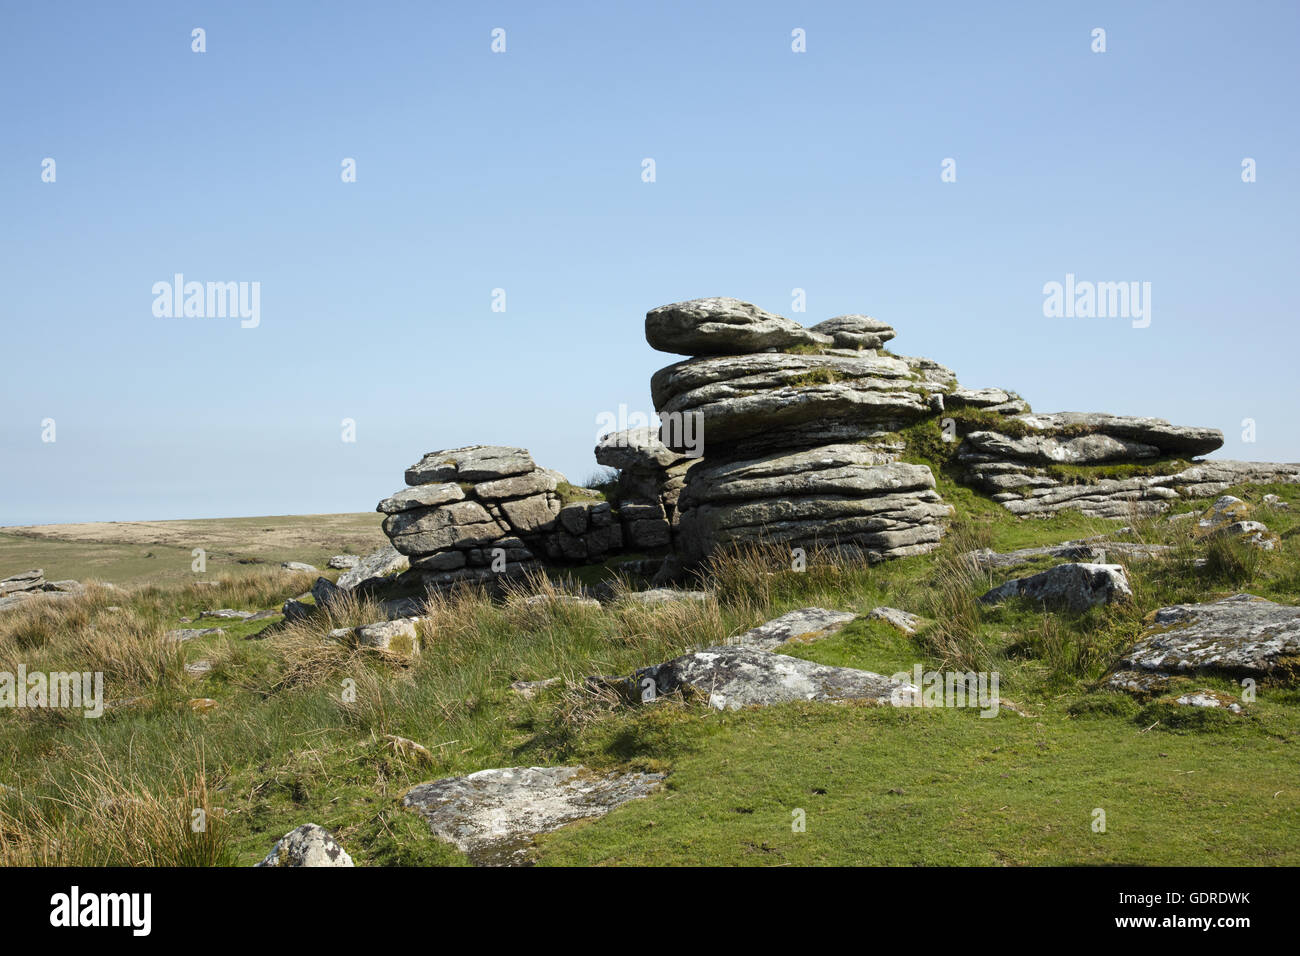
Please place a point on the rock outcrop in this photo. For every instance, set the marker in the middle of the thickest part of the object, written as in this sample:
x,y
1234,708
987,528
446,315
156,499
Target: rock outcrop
x,y
19,588
1020,466
804,438
796,430
487,512
650,480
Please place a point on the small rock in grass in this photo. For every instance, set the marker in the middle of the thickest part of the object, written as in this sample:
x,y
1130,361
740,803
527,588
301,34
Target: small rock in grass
x,y
904,621
308,845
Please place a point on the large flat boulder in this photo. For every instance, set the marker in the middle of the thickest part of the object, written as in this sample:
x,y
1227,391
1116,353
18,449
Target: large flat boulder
x,y
473,463
1240,636
789,399
493,815
1170,439
735,677
636,449
723,326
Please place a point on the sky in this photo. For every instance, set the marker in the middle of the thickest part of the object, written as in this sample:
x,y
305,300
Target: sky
x,y
523,171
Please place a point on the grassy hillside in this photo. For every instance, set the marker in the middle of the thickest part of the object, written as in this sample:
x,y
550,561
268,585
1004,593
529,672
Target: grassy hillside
x,y
156,552
281,747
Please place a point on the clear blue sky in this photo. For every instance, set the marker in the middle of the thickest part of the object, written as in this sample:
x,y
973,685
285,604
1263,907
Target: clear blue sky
x,y
522,170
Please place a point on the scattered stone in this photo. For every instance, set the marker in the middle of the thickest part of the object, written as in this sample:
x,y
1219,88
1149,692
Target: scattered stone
x,y
374,567
23,581
183,634
1072,587
325,592
408,749
902,620
308,845
1210,698
493,815
198,668
343,562
227,613
656,596
1089,550
1225,510
735,677
397,637
297,566
801,626
571,600
528,689
294,610
1139,683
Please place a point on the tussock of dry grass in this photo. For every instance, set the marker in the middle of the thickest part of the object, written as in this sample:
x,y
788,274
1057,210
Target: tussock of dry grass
x,y
107,818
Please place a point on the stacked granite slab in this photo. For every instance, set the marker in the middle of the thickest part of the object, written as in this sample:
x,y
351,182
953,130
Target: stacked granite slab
x,y
488,511
651,477
797,432
1015,465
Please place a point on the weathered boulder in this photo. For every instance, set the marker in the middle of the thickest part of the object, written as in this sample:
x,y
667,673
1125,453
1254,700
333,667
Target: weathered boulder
x,y
473,463
832,496
22,581
903,621
1240,636
373,567
493,815
1170,439
308,845
855,331
1089,550
1071,587
723,326
326,593
776,400
343,562
298,566
488,514
1024,489
801,626
656,596
1045,449
735,677
400,636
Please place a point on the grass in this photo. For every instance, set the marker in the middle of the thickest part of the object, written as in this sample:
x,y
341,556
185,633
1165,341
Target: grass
x,y
161,552
302,724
